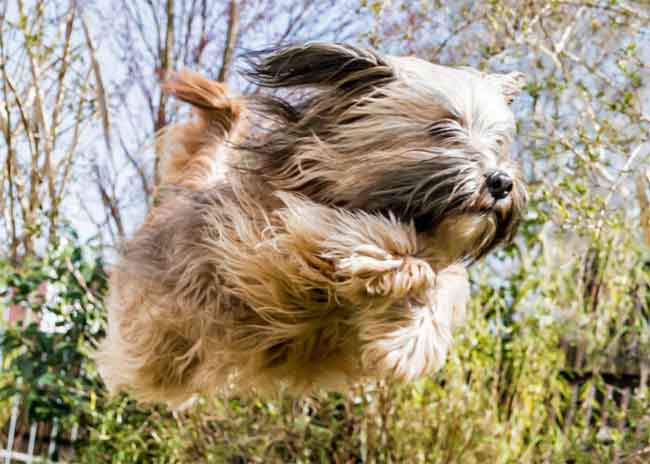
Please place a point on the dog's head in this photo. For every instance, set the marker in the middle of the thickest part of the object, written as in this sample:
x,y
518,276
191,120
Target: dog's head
x,y
394,135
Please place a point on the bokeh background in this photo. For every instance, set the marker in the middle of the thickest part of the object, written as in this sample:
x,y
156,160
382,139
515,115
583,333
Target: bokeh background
x,y
553,363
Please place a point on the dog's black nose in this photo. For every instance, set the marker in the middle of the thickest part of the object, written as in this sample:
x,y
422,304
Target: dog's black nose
x,y
499,184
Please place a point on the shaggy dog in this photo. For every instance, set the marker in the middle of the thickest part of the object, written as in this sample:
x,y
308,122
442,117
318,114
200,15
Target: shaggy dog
x,y
326,245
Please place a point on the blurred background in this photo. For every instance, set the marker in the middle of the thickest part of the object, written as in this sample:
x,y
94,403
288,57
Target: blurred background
x,y
553,363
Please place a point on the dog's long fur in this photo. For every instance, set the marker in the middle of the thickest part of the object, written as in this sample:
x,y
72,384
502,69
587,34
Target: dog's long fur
x,y
327,246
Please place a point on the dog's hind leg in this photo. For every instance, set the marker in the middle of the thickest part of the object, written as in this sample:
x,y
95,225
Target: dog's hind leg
x,y
194,154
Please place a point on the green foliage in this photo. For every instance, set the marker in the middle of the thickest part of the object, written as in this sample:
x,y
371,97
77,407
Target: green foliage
x,y
46,356
505,394
48,367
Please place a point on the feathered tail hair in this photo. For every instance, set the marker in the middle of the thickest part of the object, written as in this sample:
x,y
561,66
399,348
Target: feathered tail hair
x,y
194,153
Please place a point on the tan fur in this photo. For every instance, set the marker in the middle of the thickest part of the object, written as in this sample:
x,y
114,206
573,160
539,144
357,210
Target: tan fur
x,y
194,153
234,281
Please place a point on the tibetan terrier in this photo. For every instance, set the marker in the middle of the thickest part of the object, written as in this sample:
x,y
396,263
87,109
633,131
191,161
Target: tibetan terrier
x,y
315,239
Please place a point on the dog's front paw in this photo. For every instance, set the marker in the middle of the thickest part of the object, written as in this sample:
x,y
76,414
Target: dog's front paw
x,y
408,349
385,275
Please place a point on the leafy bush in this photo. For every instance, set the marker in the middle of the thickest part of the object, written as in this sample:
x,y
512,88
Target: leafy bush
x,y
46,355
506,394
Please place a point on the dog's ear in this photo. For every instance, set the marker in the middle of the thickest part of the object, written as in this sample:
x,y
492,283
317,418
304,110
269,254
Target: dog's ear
x,y
510,84
319,64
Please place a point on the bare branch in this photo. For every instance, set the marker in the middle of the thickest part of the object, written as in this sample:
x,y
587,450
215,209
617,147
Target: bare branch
x,y
231,40
109,201
100,93
165,66
58,101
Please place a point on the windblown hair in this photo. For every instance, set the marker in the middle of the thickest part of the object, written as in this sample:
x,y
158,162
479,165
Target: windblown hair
x,y
392,135
327,245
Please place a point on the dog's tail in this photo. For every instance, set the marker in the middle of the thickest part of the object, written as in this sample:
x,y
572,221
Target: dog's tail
x,y
194,154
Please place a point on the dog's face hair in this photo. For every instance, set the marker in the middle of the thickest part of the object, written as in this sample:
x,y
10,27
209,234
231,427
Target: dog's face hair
x,y
395,135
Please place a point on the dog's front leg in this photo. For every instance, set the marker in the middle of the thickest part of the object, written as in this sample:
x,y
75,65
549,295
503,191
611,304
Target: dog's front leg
x,y
407,311
409,337
402,311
